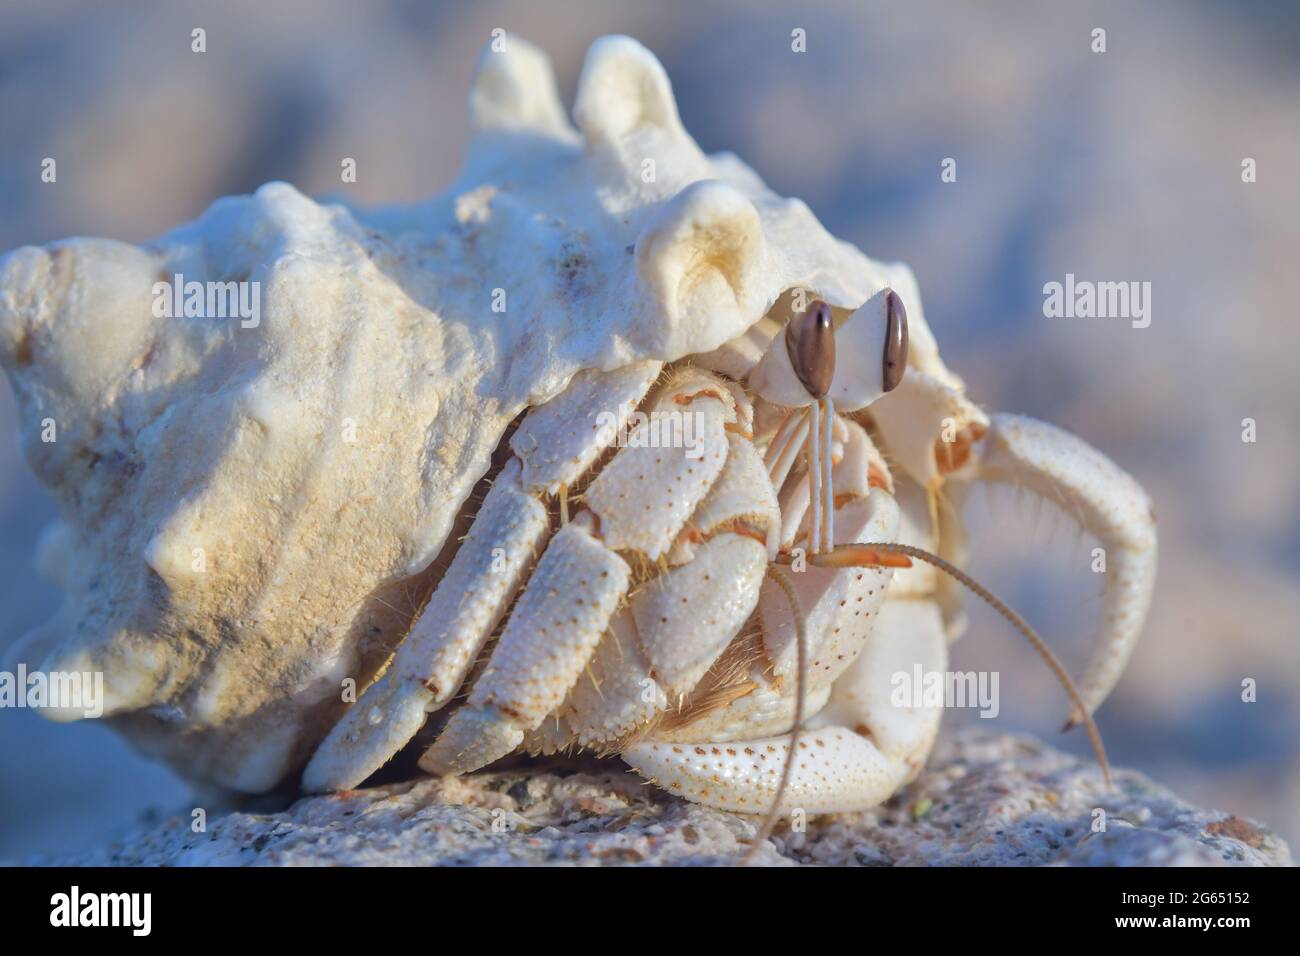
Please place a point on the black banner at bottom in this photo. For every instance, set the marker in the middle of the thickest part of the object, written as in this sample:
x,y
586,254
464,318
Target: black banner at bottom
x,y
338,905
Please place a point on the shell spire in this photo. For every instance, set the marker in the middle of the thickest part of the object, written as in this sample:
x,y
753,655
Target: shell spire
x,y
514,91
623,89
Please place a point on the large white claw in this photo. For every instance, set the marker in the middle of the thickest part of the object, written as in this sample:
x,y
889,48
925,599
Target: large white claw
x,y
1106,502
854,754
836,770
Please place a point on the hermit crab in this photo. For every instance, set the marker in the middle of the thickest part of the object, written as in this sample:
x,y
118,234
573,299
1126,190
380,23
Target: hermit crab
x,y
607,447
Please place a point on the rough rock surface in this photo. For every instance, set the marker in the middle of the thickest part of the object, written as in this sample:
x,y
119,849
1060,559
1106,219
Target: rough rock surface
x,y
983,799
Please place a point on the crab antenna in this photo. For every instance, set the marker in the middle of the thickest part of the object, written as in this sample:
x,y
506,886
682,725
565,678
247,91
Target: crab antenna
x,y
828,467
783,452
812,427
888,554
814,469
801,649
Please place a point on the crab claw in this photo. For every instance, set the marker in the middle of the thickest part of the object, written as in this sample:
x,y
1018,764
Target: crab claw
x,y
1107,503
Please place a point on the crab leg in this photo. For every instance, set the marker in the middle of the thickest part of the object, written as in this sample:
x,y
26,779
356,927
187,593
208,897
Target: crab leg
x,y
637,505
784,450
675,628
618,694
1106,502
1051,463
662,643
839,607
556,443
547,642
835,602
430,664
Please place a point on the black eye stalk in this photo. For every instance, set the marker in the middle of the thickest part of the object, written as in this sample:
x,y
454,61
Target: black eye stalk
x,y
895,341
810,342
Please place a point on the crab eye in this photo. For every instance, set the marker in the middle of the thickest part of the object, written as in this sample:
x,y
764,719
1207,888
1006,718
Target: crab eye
x,y
895,357
810,342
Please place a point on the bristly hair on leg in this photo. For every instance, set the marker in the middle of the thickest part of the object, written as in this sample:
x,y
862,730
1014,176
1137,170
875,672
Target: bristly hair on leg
x,y
801,649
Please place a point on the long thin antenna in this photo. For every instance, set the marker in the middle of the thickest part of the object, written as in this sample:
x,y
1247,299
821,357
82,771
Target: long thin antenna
x,y
887,554
801,654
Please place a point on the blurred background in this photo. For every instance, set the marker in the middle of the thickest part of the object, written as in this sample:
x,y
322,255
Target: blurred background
x,y
1123,165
